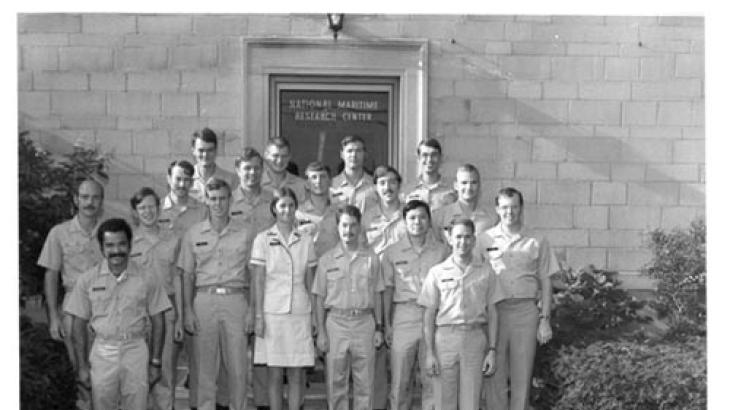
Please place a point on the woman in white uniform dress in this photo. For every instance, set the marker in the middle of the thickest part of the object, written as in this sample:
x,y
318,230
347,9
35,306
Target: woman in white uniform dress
x,y
283,262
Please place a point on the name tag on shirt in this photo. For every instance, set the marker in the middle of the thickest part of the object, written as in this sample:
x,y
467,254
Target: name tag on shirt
x,y
492,249
332,270
447,280
275,242
397,263
98,288
201,243
237,213
164,221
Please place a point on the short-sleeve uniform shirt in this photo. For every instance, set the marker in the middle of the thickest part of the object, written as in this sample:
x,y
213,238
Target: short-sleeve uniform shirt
x,y
216,258
197,190
180,219
460,297
290,181
70,250
253,210
481,216
520,261
435,195
157,254
116,306
348,280
322,228
405,267
380,230
285,261
352,194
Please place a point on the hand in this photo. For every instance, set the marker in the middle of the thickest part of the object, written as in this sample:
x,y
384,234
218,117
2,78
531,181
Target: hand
x,y
259,326
323,342
544,331
248,322
433,368
378,338
153,374
178,331
191,322
84,377
388,335
488,367
55,328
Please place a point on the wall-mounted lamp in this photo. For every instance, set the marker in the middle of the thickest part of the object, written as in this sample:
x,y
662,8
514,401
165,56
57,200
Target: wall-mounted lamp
x,y
336,21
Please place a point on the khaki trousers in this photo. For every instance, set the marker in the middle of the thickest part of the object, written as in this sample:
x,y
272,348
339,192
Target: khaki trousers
x,y
162,395
408,348
460,351
119,373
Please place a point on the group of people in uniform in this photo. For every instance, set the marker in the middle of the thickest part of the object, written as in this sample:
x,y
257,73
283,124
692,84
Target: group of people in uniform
x,y
363,270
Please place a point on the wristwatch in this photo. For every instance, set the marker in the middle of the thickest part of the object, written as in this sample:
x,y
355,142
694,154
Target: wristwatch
x,y
544,316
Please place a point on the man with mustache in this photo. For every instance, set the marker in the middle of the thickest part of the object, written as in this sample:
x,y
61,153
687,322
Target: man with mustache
x,y
116,299
179,210
70,250
204,146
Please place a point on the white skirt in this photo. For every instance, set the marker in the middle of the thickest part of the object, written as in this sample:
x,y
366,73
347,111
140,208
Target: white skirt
x,y
287,341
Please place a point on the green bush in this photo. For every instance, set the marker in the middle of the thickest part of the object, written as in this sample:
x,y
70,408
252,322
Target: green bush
x,y
47,379
627,375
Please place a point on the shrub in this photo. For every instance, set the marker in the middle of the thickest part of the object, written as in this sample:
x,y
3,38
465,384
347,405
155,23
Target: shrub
x,y
627,375
47,379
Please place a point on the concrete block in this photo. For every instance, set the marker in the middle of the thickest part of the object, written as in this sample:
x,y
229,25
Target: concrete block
x,y
692,151
85,59
34,103
309,25
625,260
142,59
49,23
25,80
72,122
698,113
438,88
542,111
633,217
645,132
657,68
497,47
525,67
524,89
96,40
479,30
646,150
151,142
584,171
680,216
576,68
548,216
153,81
540,48
438,28
590,217
473,148
109,23
42,39
134,123
595,112
621,69
681,21
491,110
564,237
450,109
696,47
592,49
618,238
514,31
452,69
597,149
604,90
534,19
78,103
117,141
198,81
134,104
480,89
138,40
267,24
38,123
692,194
516,149
130,183
673,172
653,193
627,172
39,58
565,193
690,66
677,89
609,193
221,105
230,55
166,24
535,170
636,49
107,81
559,90
128,165
675,113
180,104
590,33
54,80
157,167
549,149
193,57
578,20
220,25
693,133
664,33
639,113
490,169
702,173
580,257
612,131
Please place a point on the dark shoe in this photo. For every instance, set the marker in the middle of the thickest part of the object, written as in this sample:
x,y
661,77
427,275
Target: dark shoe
x,y
263,408
220,407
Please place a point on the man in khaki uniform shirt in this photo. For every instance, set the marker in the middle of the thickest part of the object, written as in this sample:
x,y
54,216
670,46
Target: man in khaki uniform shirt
x,y
180,211
69,250
430,186
405,265
316,215
204,146
382,218
460,321
213,258
524,264
116,298
348,286
276,158
353,185
468,187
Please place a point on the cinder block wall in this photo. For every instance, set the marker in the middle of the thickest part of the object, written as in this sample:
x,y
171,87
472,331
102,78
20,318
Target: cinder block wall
x,y
599,120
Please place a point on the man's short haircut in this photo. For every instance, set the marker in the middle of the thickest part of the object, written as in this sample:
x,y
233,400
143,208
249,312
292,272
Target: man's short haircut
x,y
470,169
185,165
113,225
247,155
318,166
349,139
415,204
82,181
429,142
215,184
205,135
280,193
509,192
383,170
140,195
462,221
278,142
351,210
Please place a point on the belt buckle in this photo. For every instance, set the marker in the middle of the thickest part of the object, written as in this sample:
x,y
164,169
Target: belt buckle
x,y
220,291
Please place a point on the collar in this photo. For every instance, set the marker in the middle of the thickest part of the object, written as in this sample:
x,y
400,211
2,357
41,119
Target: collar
x,y
197,174
104,270
267,180
340,251
239,195
76,226
193,203
407,244
476,263
438,184
294,237
499,232
342,180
